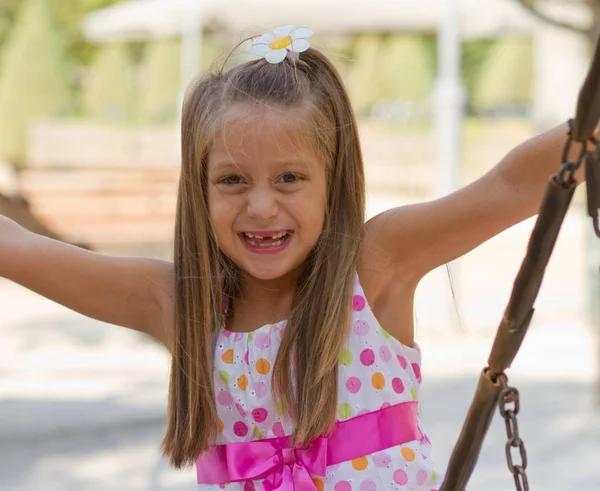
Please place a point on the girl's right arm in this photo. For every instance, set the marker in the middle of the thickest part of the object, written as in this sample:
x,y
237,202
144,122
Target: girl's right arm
x,y
136,293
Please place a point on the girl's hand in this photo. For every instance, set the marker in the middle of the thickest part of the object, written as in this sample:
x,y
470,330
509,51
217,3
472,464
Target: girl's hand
x,y
136,293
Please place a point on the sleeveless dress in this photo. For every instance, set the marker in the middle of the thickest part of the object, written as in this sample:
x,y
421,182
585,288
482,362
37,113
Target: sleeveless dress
x,y
375,371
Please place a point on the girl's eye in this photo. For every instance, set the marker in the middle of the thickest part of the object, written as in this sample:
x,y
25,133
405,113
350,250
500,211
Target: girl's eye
x,y
230,180
289,178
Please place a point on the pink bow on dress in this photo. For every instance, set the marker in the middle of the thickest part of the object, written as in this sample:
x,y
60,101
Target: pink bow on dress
x,y
280,467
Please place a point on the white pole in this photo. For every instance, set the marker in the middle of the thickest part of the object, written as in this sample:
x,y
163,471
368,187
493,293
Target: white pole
x,y
449,101
449,110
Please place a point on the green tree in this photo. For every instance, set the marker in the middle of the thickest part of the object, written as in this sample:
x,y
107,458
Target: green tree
x,y
407,67
364,77
67,14
107,92
506,76
33,78
160,81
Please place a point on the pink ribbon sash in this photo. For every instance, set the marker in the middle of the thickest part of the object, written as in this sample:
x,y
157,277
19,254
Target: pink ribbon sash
x,y
285,469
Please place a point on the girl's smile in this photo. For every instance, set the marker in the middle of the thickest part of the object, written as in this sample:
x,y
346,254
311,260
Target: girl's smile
x,y
266,242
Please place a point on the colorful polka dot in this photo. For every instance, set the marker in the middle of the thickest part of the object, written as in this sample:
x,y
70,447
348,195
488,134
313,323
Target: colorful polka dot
x,y
246,358
224,398
227,357
353,385
384,353
382,459
261,389
403,362
280,408
240,429
342,486
249,486
260,414
400,477
278,430
242,382
367,357
368,486
262,340
257,434
385,334
398,385
417,369
241,410
263,366
346,357
361,328
319,484
358,303
408,454
345,410
360,464
224,376
221,425
378,380
421,477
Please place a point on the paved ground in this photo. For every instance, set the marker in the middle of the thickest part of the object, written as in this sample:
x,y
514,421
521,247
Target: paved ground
x,y
82,405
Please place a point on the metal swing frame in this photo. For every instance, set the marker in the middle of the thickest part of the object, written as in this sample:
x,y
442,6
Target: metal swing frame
x,y
493,389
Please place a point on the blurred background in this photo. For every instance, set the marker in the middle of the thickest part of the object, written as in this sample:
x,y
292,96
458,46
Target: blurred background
x,y
90,94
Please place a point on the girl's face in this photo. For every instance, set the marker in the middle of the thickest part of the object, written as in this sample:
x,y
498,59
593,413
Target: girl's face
x,y
267,190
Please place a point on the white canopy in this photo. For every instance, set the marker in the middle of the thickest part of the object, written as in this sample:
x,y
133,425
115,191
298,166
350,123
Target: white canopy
x,y
146,19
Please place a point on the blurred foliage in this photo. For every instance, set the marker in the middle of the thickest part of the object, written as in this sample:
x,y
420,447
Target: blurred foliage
x,y
67,14
160,82
474,54
34,81
364,81
407,67
390,72
108,88
505,78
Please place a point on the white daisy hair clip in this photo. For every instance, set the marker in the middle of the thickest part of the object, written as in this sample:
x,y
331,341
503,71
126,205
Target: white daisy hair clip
x,y
276,45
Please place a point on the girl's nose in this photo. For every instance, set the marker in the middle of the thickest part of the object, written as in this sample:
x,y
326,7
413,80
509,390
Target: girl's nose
x,y
262,204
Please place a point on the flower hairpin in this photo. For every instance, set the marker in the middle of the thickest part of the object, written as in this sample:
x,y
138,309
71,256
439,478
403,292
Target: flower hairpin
x,y
276,45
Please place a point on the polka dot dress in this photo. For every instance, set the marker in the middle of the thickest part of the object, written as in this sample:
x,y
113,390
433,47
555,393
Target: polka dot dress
x,y
375,371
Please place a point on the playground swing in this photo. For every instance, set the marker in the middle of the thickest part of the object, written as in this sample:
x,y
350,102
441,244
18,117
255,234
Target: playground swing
x,y
493,388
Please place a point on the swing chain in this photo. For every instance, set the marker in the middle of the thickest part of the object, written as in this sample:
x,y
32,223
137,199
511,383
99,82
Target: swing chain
x,y
566,175
510,395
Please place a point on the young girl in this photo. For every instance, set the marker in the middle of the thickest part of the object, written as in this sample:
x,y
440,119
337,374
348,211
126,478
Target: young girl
x,y
289,320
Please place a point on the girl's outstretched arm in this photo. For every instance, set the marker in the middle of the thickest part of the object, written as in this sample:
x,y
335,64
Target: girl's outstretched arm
x,y
418,238
131,292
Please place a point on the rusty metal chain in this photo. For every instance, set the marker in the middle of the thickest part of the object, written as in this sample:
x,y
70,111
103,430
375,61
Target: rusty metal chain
x,y
508,396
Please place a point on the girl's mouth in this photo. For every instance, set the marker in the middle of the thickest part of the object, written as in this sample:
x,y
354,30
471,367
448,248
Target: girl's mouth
x,y
274,242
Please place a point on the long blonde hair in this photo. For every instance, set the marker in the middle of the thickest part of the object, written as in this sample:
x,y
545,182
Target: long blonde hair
x,y
206,278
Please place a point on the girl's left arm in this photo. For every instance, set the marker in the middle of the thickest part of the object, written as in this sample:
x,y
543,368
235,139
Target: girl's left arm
x,y
420,237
